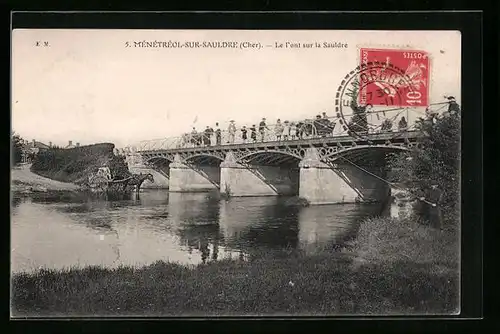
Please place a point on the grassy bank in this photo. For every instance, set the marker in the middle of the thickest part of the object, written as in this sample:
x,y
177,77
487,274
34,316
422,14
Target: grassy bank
x,y
23,180
378,275
74,165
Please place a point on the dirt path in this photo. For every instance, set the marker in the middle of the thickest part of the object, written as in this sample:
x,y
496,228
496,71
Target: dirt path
x,y
22,177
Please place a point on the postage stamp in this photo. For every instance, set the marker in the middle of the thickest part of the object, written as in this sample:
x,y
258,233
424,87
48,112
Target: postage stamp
x,y
414,90
383,84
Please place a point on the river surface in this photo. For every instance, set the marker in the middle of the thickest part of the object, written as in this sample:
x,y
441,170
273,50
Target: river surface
x,y
54,231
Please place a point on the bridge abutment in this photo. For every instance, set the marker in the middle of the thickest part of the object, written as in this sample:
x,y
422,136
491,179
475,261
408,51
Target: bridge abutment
x,y
321,183
253,180
187,178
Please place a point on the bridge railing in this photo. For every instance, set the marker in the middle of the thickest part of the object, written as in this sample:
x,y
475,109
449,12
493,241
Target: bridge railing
x,y
311,128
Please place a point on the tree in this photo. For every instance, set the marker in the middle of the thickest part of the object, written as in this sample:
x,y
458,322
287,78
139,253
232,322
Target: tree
x,y
17,148
359,121
436,161
118,166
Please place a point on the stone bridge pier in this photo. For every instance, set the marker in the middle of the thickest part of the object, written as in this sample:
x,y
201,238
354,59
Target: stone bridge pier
x,y
192,177
272,174
253,179
339,182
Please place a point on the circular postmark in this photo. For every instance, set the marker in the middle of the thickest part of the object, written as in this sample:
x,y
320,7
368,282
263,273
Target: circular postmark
x,y
369,96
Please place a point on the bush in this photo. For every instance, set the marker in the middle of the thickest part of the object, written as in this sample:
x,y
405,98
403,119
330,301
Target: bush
x,y
74,165
436,161
17,148
391,240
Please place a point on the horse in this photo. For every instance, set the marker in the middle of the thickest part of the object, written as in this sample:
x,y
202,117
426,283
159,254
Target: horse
x,y
135,180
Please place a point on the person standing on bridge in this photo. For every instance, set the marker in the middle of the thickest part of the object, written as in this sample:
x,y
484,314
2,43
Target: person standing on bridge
x,y
403,125
244,134
326,125
210,135
206,136
286,130
293,131
217,134
194,137
262,129
300,130
253,133
453,107
278,129
232,131
320,126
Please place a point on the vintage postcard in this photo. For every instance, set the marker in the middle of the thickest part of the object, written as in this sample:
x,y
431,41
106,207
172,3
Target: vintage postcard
x,y
235,172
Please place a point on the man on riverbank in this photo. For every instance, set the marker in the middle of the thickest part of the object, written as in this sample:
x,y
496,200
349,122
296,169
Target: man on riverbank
x,y
435,197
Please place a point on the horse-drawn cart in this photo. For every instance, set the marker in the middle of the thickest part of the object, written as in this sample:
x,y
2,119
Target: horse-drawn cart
x,y
101,181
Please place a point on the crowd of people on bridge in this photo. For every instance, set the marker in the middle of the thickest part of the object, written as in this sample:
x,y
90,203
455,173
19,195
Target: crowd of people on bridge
x,y
321,126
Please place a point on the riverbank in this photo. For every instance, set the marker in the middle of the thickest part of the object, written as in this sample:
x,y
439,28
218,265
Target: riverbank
x,y
23,180
412,270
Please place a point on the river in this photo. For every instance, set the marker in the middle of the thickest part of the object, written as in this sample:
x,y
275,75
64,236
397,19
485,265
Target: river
x,y
56,231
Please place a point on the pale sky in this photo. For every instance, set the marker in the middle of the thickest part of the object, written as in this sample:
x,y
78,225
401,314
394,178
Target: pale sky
x,y
88,87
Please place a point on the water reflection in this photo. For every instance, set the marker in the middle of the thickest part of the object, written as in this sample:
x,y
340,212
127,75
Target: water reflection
x,y
181,227
256,224
324,227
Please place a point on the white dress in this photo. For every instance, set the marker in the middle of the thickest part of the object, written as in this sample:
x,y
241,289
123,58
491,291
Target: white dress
x,y
286,130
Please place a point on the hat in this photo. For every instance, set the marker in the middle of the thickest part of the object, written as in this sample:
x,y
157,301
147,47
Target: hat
x,y
286,121
263,118
451,97
232,120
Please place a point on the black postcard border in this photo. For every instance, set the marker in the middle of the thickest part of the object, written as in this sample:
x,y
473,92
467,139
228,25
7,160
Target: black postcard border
x,y
470,25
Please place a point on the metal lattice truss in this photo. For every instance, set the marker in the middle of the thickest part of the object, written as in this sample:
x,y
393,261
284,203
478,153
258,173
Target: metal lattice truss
x,y
289,152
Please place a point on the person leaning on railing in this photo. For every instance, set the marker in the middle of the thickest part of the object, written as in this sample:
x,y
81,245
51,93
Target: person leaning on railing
x,y
386,125
453,107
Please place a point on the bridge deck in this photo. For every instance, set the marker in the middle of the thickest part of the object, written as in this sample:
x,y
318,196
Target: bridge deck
x,y
378,138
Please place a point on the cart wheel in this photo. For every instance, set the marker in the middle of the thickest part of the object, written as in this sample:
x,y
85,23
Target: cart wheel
x,y
100,183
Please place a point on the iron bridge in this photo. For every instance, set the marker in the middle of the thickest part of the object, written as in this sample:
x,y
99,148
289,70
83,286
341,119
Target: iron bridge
x,y
283,152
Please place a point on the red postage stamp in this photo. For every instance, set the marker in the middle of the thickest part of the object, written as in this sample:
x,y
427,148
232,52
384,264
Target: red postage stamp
x,y
413,91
